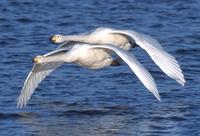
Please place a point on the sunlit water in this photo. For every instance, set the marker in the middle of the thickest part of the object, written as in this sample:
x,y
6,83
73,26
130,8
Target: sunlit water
x,y
110,101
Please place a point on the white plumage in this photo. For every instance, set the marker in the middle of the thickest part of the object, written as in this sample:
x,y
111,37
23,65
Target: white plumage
x,y
127,39
93,50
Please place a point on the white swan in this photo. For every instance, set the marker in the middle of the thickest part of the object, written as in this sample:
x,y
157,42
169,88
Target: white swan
x,y
98,36
84,55
127,39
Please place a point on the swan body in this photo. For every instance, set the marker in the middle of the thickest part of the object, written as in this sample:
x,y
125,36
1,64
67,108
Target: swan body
x,y
92,58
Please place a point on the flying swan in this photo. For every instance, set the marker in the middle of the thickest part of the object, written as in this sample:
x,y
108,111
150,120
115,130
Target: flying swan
x,y
80,54
127,39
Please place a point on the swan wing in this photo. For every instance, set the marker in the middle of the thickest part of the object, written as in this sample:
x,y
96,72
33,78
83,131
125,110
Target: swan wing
x,y
67,45
37,74
164,60
144,76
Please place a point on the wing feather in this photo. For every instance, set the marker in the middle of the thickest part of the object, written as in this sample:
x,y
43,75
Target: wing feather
x,y
37,74
144,76
164,60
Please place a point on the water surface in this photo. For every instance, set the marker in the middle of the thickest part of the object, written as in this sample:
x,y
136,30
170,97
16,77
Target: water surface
x,y
110,101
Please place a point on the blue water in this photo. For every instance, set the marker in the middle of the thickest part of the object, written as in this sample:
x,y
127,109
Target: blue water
x,y
108,102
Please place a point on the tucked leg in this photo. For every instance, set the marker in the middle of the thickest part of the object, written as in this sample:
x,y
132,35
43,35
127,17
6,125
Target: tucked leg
x,y
115,63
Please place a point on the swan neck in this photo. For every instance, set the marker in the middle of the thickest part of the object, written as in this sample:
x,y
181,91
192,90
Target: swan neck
x,y
63,57
77,38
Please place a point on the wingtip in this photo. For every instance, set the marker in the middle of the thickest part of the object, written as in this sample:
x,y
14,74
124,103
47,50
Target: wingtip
x,y
159,98
19,107
183,84
20,104
181,81
157,95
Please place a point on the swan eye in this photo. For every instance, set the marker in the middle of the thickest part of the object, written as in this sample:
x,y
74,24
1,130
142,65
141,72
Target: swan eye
x,y
39,57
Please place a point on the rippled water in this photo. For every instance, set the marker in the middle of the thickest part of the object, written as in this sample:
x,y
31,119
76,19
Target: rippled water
x,y
111,101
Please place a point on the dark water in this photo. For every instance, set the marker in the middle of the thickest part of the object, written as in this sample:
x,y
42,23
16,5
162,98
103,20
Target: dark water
x,y
111,101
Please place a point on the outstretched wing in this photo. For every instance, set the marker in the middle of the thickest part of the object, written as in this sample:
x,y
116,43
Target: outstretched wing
x,y
37,74
164,60
66,44
144,76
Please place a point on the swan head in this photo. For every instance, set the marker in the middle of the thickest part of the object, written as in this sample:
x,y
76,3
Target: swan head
x,y
38,59
56,38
